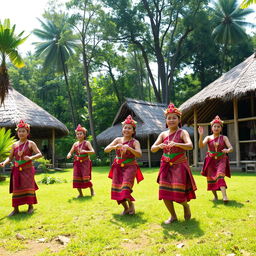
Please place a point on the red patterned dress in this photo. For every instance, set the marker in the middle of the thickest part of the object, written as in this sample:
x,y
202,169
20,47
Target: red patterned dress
x,y
123,172
175,179
82,173
216,164
22,183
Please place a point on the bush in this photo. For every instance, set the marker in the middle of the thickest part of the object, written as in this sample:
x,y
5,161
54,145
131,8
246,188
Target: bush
x,y
42,163
102,160
51,180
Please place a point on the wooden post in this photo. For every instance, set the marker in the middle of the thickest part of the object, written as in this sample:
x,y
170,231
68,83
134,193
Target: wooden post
x,y
149,152
195,155
235,107
252,105
53,148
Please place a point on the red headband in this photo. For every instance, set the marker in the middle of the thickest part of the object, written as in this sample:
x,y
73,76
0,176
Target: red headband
x,y
80,128
172,110
22,124
130,121
217,120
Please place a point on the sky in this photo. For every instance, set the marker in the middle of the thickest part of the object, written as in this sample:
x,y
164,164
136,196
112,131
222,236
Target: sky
x,y
24,14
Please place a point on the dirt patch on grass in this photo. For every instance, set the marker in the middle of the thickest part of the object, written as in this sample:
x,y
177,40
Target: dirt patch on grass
x,y
136,244
34,248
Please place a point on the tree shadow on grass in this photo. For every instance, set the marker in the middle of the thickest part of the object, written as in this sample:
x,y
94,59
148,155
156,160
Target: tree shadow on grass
x,y
188,229
80,199
231,203
130,220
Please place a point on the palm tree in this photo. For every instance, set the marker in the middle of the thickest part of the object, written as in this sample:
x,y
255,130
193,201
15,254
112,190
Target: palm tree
x,y
246,3
229,22
57,47
9,43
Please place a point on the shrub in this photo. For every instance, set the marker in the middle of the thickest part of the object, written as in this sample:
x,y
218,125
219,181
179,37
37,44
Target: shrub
x,y
51,180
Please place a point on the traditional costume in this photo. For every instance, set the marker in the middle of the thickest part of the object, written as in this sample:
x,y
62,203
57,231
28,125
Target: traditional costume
x,y
175,179
124,170
82,173
216,163
22,182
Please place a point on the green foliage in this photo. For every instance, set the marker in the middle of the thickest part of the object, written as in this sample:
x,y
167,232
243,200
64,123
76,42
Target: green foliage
x,y
42,164
229,21
47,179
9,42
101,160
247,3
6,142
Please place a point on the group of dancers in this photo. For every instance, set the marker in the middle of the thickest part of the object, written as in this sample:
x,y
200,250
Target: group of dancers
x,y
176,182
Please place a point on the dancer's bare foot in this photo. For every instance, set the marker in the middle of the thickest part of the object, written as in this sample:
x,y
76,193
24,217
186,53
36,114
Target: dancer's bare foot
x,y
30,209
79,196
92,192
225,200
126,211
215,199
171,220
14,212
187,213
131,209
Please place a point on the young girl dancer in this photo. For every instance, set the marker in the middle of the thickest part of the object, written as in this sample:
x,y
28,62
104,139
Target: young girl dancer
x,y
125,168
82,173
216,163
176,183
22,182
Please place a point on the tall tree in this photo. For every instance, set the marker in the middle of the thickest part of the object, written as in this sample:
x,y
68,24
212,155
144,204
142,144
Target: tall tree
x,y
57,47
9,43
229,23
86,20
158,29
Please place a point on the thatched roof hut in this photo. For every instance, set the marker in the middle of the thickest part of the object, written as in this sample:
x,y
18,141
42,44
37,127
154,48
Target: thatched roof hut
x,y
17,107
232,96
149,117
150,123
43,125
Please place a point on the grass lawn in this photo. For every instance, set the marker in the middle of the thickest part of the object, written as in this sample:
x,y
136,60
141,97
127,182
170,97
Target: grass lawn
x,y
95,227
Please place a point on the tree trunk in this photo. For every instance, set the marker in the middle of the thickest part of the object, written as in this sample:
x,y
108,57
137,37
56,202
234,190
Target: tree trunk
x,y
69,93
89,96
145,57
114,84
4,81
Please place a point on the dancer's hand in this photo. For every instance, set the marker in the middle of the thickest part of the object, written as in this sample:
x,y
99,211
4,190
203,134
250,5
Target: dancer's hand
x,y
201,130
27,158
2,164
69,156
118,146
162,146
124,148
225,150
171,144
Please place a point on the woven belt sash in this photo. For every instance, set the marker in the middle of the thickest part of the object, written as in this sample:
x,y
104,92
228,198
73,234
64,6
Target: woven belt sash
x,y
81,157
172,158
215,154
21,163
123,161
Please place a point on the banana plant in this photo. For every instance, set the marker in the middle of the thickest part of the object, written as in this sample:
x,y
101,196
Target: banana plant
x,y
6,141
